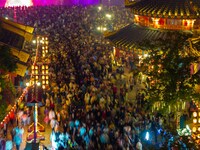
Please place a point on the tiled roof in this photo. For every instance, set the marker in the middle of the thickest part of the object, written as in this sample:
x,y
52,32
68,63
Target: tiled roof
x,y
132,35
185,9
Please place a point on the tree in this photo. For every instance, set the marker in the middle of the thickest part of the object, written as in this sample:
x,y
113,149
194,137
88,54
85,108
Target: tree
x,y
7,64
167,68
7,60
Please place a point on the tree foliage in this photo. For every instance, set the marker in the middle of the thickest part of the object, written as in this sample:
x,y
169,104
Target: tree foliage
x,y
168,70
7,60
7,64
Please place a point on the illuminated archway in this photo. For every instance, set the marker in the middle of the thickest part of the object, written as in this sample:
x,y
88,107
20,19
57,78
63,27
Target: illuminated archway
x,y
18,3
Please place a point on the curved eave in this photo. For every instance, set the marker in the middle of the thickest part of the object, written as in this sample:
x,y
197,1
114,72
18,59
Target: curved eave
x,y
195,16
185,9
130,4
133,35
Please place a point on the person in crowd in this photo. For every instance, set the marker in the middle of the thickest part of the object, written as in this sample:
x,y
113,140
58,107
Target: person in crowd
x,y
91,103
18,136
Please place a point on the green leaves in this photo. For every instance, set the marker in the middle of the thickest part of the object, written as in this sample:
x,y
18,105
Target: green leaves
x,y
7,60
168,70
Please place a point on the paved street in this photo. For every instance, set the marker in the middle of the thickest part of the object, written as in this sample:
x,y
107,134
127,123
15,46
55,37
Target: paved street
x,y
130,97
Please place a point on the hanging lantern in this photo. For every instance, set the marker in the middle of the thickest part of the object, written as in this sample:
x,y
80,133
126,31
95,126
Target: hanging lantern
x,y
194,120
194,114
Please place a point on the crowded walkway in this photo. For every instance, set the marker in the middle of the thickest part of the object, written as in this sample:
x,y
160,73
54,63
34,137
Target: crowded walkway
x,y
92,102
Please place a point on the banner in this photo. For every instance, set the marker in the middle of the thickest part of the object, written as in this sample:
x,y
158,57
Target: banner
x,y
21,69
22,55
14,34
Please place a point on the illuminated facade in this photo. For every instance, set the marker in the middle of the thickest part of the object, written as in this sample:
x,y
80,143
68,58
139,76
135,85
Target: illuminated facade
x,y
167,14
153,18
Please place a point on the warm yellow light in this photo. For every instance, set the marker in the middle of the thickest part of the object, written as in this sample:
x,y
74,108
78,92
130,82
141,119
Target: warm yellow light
x,y
198,136
108,16
194,114
43,77
27,84
46,51
38,83
47,77
42,66
194,129
46,47
43,86
99,7
42,71
104,29
47,82
199,114
36,71
43,55
47,71
46,38
32,67
43,82
47,66
46,42
43,38
33,71
34,41
199,129
36,67
194,120
42,47
36,77
199,120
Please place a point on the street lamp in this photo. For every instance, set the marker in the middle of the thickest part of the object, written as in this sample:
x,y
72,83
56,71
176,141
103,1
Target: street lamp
x,y
101,29
27,84
108,16
99,8
34,41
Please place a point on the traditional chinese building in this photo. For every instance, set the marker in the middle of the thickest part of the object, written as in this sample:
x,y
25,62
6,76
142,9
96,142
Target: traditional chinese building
x,y
154,18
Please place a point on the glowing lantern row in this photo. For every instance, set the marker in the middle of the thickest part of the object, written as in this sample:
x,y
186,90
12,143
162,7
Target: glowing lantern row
x,y
196,117
34,71
7,117
44,46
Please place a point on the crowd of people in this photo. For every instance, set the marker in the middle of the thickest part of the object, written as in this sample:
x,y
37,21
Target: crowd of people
x,y
84,104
